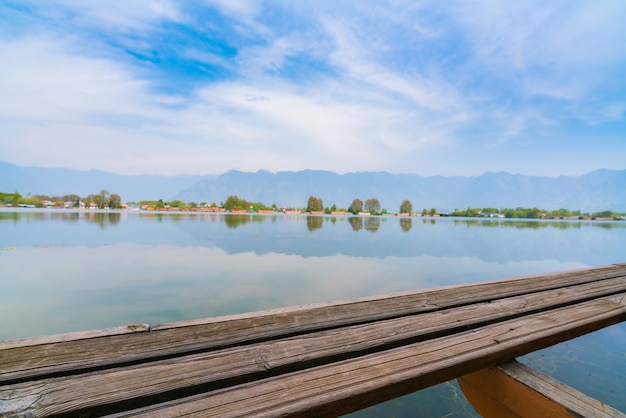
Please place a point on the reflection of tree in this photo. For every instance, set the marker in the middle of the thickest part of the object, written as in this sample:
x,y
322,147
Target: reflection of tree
x,y
10,216
356,222
114,218
406,224
103,219
372,223
234,220
313,223
525,224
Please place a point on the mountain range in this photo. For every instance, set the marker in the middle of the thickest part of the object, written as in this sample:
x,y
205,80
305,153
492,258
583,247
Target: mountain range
x,y
599,190
64,181
596,191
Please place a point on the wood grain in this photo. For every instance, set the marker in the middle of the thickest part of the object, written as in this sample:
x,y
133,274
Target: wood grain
x,y
513,390
315,360
344,387
38,360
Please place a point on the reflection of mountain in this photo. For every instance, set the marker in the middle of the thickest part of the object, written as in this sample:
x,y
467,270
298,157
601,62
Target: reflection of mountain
x,y
500,241
489,240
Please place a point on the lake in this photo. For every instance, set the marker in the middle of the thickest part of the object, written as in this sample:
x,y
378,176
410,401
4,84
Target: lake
x,y
63,271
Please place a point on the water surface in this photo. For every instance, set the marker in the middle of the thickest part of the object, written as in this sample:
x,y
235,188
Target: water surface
x,y
63,271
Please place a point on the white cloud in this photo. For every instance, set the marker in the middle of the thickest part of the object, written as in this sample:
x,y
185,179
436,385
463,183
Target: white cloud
x,y
47,81
339,86
561,49
127,16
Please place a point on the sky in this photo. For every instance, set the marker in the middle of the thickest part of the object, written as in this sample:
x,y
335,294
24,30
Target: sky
x,y
204,87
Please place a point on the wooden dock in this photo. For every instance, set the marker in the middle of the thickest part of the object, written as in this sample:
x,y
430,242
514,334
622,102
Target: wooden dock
x,y
317,360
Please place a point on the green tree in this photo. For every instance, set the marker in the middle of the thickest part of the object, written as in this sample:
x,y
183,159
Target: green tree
x,y
372,205
30,201
406,207
88,199
103,199
233,202
356,206
433,211
70,198
315,204
115,201
10,198
177,204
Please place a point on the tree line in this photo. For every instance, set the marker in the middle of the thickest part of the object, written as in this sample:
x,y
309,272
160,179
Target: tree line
x,y
371,206
104,199
533,213
101,200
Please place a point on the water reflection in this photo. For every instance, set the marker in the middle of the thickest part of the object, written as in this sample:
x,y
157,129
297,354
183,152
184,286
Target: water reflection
x,y
162,267
372,224
538,224
235,220
356,223
102,219
314,222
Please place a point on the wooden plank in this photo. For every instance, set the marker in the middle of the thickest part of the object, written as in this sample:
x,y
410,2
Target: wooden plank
x,y
60,395
513,390
19,362
359,309
75,336
343,387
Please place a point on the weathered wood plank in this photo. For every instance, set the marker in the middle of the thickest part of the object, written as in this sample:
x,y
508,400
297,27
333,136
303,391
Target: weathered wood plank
x,y
513,390
19,362
59,395
322,391
74,336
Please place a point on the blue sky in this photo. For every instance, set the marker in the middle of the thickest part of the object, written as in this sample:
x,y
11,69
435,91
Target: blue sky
x,y
425,87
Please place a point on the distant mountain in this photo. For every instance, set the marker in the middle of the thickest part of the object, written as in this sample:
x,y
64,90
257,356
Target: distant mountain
x,y
63,181
596,191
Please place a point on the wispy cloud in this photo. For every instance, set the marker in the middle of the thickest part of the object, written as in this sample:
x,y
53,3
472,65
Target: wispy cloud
x,y
205,86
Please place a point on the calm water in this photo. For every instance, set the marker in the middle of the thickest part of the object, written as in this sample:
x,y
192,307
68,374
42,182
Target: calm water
x,y
66,271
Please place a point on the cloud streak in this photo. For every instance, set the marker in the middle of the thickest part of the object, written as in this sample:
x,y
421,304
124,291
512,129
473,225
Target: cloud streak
x,y
207,86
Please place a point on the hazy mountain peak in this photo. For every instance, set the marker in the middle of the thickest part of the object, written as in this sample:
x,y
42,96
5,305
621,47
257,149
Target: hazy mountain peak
x,y
598,190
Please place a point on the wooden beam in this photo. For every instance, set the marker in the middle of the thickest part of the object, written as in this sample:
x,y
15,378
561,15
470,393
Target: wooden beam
x,y
44,356
316,360
513,390
342,387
